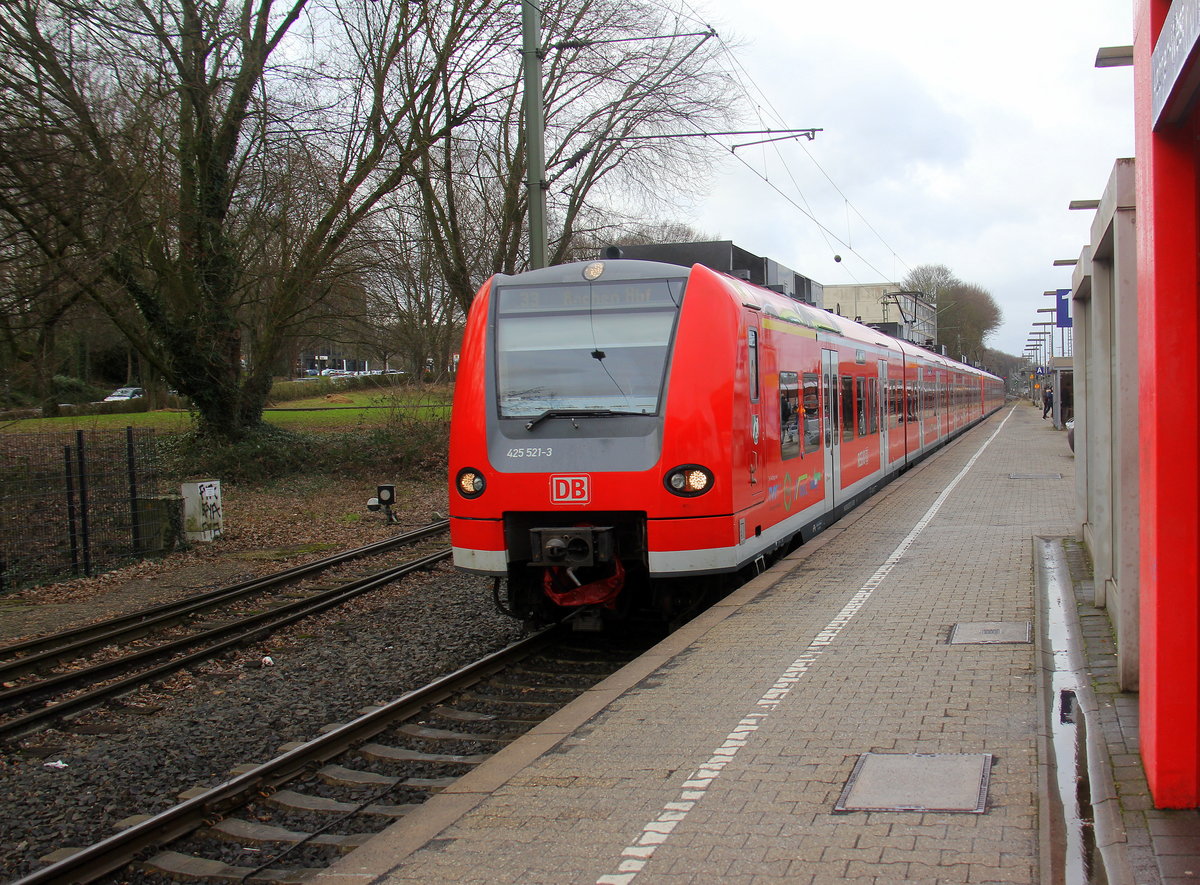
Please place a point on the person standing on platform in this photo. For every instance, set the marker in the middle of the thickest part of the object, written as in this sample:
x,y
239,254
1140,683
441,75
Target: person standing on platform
x,y
1047,402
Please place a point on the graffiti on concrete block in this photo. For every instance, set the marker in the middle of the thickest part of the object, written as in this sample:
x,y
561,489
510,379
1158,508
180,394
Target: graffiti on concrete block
x,y
203,519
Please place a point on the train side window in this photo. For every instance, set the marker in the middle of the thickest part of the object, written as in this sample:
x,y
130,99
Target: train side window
x,y
752,345
847,408
810,421
789,415
829,407
873,390
860,385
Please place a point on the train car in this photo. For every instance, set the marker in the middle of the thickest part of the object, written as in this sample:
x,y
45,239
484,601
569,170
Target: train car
x,y
619,425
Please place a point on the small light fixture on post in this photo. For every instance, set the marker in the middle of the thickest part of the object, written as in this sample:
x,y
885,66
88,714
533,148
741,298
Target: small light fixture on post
x,y
385,497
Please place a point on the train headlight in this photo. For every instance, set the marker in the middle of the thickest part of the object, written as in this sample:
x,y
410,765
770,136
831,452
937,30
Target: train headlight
x,y
689,480
470,482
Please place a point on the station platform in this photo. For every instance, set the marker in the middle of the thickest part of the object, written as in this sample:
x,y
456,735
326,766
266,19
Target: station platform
x,y
906,699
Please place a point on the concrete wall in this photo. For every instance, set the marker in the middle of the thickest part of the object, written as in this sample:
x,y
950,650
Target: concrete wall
x,y
1104,291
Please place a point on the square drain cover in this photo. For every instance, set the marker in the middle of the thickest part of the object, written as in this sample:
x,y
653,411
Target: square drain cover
x,y
989,632
918,782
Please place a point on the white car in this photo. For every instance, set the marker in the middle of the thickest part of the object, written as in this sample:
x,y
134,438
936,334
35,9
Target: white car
x,y
125,393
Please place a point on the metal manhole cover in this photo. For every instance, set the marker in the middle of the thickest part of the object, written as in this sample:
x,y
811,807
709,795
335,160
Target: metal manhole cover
x,y
918,782
990,632
1035,476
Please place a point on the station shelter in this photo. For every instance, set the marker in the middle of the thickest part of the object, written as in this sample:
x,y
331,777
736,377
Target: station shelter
x,y
1166,44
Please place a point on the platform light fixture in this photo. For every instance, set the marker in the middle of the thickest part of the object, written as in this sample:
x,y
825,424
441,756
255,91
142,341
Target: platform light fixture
x,y
1114,57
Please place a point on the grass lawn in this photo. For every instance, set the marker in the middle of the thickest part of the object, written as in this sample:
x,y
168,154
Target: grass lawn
x,y
330,411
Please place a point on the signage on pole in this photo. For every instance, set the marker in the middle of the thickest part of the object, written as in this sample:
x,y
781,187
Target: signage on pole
x,y
1063,303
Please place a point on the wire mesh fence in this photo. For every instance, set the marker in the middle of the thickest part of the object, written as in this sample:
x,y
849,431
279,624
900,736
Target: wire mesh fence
x,y
73,503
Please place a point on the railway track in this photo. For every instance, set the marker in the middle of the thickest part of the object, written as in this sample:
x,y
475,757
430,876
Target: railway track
x,y
284,820
31,700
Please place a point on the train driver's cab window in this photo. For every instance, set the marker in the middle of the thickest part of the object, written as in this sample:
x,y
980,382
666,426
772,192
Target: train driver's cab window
x,y
603,345
810,421
789,414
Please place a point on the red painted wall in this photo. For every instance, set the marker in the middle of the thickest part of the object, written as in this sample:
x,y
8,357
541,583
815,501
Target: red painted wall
x,y
1168,176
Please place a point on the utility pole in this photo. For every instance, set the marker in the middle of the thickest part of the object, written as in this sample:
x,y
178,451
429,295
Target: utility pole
x,y
535,125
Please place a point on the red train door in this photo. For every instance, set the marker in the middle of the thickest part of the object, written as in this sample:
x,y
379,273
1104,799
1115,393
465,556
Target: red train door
x,y
832,432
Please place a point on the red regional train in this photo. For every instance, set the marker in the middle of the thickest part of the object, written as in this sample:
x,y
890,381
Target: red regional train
x,y
619,425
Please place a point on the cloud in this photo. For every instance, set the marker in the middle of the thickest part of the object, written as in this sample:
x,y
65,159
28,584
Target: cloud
x,y
956,134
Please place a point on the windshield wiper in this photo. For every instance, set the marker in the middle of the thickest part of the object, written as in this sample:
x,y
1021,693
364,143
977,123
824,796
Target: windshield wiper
x,y
575,413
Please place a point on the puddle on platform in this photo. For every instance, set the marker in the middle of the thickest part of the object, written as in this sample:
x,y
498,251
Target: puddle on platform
x,y
1067,724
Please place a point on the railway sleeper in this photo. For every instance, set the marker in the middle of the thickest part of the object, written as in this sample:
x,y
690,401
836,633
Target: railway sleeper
x,y
233,829
290,800
185,866
441,734
452,714
462,715
340,776
500,682
537,709
403,754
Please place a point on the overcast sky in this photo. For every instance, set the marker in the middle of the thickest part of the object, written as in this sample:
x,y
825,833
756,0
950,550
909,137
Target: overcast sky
x,y
954,133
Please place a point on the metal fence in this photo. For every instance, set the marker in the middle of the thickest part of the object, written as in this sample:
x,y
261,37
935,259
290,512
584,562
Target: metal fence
x,y
73,503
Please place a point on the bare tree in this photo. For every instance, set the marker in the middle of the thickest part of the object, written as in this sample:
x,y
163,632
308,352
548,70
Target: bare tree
x,y
215,166
966,313
661,232
932,279
619,78
413,318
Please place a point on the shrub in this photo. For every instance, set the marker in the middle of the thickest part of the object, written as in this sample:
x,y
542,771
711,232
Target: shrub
x,y
401,448
65,389
286,391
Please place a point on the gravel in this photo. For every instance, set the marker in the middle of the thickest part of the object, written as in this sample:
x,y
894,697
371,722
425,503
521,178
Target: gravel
x,y
62,788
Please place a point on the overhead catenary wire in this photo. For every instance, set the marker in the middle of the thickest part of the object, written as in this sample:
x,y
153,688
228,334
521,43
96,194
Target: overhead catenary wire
x,y
758,99
756,94
742,77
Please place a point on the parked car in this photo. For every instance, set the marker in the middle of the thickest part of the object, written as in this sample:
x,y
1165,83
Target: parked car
x,y
125,393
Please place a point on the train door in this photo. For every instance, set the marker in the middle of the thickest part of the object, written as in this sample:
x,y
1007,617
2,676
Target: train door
x,y
830,417
758,487
944,399
881,412
922,404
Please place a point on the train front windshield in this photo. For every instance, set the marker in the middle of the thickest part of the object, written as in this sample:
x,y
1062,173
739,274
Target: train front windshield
x,y
587,346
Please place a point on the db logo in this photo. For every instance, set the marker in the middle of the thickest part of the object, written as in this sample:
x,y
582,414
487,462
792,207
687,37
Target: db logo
x,y
574,488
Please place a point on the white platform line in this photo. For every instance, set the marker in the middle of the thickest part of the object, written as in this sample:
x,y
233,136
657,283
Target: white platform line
x,y
638,853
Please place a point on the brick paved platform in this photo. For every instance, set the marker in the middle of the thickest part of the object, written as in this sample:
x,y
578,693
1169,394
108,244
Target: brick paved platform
x,y
722,754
